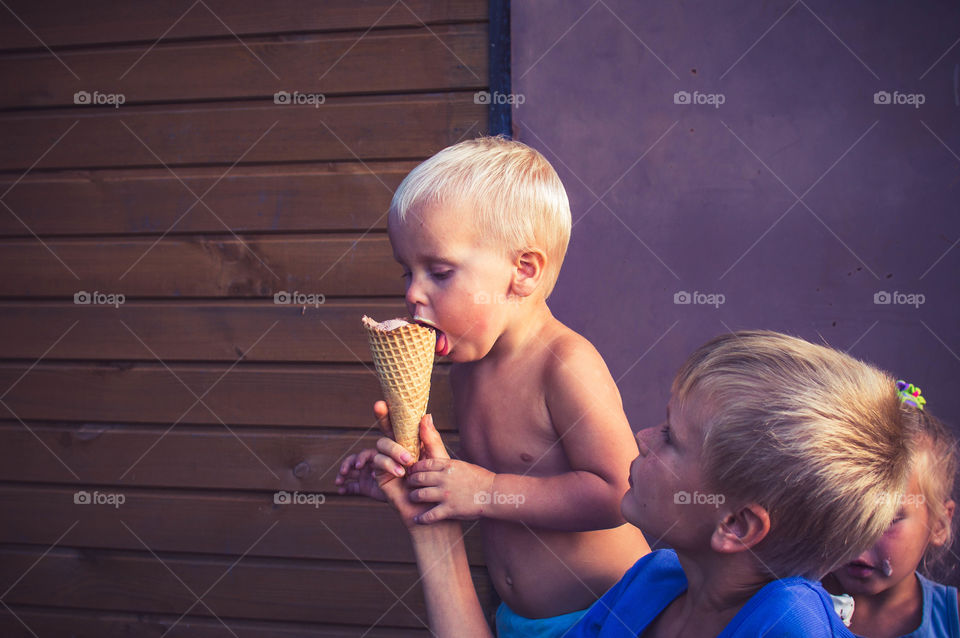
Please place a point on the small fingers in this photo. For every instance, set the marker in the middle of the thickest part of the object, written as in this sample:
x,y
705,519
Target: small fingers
x,y
386,464
364,457
395,450
347,463
427,495
423,479
382,413
430,465
438,513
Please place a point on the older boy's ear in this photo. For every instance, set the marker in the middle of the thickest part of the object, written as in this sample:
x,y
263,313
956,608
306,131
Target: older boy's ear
x,y
740,529
941,528
528,272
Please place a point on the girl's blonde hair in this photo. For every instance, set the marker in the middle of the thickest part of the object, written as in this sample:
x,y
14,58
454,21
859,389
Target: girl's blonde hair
x,y
935,463
811,434
516,197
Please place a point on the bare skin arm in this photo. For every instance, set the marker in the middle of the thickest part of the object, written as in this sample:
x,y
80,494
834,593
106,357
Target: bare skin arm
x,y
453,609
587,414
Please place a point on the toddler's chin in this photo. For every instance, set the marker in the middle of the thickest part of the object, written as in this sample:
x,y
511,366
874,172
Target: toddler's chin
x,y
627,509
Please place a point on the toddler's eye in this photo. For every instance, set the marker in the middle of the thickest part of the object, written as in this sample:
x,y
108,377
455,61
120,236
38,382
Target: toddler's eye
x,y
443,274
406,275
666,433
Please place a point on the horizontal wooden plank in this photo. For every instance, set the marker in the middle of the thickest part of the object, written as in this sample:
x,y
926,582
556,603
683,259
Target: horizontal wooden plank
x,y
204,331
254,588
47,621
319,197
61,22
339,528
50,621
185,457
248,394
444,58
398,127
204,266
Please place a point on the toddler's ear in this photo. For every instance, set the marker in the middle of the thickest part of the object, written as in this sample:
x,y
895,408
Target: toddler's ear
x,y
940,529
528,272
740,529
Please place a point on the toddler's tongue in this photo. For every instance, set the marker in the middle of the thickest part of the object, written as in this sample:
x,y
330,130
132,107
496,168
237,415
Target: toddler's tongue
x,y
441,343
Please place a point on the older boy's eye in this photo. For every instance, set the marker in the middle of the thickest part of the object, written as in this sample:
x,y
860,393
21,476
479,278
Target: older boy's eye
x,y
666,433
406,275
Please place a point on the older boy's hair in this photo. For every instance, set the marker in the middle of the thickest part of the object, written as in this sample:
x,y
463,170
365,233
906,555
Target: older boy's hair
x,y
935,462
811,434
516,197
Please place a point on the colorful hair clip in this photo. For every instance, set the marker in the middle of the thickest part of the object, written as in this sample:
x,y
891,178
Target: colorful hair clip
x,y
910,394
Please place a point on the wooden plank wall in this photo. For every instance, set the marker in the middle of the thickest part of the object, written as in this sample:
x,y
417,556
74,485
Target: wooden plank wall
x,y
197,398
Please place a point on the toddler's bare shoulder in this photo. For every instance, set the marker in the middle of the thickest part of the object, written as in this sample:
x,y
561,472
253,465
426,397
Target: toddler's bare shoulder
x,y
574,360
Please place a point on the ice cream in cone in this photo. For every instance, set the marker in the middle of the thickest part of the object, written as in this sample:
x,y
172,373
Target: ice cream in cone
x,y
403,355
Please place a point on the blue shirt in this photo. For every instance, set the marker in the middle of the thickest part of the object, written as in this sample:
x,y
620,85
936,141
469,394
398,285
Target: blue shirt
x,y
791,607
940,616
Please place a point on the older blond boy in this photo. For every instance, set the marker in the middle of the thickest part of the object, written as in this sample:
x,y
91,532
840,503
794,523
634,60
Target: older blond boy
x,y
481,230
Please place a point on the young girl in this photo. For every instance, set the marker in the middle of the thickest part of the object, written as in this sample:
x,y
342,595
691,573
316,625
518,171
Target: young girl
x,y
891,598
768,472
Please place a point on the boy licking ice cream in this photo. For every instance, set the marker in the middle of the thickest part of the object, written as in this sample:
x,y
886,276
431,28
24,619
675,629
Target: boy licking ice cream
x,y
481,229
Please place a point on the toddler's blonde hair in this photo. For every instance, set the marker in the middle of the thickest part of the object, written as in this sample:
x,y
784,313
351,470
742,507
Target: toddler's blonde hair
x,y
935,463
515,195
809,433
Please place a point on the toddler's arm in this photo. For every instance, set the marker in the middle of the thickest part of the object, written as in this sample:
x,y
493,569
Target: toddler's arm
x,y
587,413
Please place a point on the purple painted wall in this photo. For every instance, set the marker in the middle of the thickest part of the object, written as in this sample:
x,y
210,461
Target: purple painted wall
x,y
799,198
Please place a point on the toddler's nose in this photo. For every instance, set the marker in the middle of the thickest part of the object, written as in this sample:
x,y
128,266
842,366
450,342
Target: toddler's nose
x,y
415,301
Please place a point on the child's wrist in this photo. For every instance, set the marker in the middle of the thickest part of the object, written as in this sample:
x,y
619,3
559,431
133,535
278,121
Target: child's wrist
x,y
488,503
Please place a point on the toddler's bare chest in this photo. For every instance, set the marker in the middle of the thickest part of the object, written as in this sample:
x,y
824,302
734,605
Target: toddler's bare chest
x,y
512,434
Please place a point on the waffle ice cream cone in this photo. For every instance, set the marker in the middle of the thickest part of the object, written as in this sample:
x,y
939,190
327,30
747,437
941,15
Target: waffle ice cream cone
x,y
403,354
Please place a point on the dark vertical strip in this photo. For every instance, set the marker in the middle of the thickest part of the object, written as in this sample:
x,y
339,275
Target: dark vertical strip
x,y
501,121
